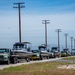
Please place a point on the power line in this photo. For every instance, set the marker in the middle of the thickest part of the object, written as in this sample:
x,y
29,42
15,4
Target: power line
x,y
58,30
45,22
19,9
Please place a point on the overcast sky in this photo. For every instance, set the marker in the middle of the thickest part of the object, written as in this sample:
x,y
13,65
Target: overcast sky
x,y
61,14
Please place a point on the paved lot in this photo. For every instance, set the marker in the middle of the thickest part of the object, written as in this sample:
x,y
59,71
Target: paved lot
x,y
6,66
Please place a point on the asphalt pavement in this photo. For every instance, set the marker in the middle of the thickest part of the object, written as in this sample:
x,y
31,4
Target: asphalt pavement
x,y
2,66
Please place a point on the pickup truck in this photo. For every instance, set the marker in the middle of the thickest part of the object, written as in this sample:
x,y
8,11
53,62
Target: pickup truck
x,y
7,56
35,55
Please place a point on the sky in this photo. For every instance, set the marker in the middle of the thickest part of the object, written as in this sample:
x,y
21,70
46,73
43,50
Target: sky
x,y
61,14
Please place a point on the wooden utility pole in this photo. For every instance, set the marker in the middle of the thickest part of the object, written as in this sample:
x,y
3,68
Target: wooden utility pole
x,y
45,22
71,44
19,9
66,34
58,30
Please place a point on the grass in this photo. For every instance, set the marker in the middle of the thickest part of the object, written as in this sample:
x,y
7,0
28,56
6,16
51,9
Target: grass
x,y
69,58
46,68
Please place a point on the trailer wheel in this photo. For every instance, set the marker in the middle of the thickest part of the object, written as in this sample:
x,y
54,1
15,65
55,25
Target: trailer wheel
x,y
28,59
47,57
8,62
15,60
40,57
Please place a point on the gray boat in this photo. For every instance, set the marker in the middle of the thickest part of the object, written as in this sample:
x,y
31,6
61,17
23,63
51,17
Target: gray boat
x,y
23,50
44,51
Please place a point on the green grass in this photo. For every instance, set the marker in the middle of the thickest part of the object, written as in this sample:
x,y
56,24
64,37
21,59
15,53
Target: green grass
x,y
69,58
46,68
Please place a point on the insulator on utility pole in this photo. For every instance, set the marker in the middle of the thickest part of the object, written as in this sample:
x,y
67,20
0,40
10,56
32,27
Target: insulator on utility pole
x,y
58,31
45,22
19,8
66,34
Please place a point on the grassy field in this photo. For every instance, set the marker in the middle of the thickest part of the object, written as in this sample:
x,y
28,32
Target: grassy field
x,y
46,68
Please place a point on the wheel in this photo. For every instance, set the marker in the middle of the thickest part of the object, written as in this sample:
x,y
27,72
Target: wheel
x,y
15,60
47,57
8,62
28,59
41,57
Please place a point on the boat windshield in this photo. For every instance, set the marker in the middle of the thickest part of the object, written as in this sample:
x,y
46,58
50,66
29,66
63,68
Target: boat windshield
x,y
19,46
63,52
51,51
54,51
35,51
3,51
42,49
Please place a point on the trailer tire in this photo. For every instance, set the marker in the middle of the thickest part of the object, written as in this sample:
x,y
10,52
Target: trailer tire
x,y
28,59
41,58
47,57
8,62
15,60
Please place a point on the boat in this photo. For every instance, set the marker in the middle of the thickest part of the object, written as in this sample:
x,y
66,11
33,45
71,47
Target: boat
x,y
44,51
23,50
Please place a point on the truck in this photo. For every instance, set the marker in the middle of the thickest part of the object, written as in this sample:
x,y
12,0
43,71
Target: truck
x,y
56,52
43,51
23,50
35,55
66,51
7,56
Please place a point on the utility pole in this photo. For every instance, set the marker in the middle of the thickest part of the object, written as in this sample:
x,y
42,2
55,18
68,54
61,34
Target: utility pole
x,y
58,31
19,8
71,44
45,22
66,34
